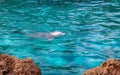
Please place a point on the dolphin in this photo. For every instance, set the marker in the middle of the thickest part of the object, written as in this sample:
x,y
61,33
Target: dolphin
x,y
48,35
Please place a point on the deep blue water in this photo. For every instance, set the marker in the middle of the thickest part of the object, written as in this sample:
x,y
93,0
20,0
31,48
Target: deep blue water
x,y
92,30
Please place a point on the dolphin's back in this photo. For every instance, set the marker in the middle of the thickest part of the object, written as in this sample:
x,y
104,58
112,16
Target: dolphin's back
x,y
41,35
49,35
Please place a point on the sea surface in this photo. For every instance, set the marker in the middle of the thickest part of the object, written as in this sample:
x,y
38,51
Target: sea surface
x,y
92,30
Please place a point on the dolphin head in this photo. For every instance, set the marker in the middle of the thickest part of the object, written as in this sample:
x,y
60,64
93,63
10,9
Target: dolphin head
x,y
57,33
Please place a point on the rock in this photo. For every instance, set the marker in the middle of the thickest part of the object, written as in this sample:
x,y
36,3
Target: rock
x,y
10,65
110,67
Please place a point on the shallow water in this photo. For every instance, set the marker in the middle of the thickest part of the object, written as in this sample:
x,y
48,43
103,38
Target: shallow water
x,y
92,30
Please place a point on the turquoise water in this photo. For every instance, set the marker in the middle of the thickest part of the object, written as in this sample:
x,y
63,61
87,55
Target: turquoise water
x,y
92,30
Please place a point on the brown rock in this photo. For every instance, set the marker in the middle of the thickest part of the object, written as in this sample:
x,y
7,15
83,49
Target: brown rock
x,y
10,65
110,67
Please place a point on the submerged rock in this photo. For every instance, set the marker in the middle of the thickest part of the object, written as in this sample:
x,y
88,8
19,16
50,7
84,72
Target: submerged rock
x,y
110,67
10,65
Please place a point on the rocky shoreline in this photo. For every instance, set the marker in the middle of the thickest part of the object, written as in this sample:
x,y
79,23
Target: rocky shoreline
x,y
10,65
110,67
